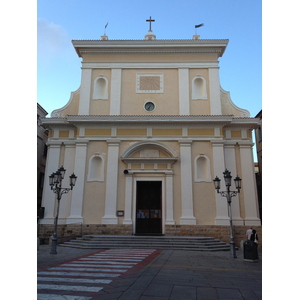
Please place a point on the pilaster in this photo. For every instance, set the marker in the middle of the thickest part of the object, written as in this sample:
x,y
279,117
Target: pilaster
x,y
230,165
128,199
169,200
187,217
49,198
115,93
78,191
111,183
222,217
249,185
68,163
85,92
214,88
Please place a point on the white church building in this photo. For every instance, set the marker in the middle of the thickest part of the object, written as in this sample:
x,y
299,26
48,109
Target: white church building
x,y
146,133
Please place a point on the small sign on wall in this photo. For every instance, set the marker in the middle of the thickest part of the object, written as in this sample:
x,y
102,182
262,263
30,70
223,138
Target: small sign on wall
x,y
120,213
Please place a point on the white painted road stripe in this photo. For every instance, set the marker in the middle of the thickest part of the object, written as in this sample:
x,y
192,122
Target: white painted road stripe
x,y
79,274
100,259
75,280
122,256
69,288
60,297
87,269
95,266
119,259
94,261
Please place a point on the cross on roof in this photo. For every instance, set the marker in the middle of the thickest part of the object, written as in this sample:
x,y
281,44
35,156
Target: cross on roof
x,y
150,20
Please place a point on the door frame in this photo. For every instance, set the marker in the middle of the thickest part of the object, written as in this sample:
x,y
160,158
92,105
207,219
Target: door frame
x,y
153,178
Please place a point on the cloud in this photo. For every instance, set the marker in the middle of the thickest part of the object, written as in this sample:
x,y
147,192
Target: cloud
x,y
52,40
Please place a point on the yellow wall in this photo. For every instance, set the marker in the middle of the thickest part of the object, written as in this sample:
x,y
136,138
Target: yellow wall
x,y
167,103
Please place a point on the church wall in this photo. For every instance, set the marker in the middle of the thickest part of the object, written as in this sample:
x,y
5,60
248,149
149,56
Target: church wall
x,y
94,194
199,106
133,103
203,191
100,106
71,108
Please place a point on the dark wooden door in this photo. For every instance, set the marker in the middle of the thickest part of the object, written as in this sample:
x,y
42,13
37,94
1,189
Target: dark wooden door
x,y
148,208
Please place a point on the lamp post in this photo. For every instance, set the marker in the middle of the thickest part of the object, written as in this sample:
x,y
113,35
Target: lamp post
x,y
229,194
55,180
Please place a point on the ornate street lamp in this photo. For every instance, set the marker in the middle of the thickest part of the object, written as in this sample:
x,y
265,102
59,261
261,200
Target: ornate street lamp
x,y
229,194
55,180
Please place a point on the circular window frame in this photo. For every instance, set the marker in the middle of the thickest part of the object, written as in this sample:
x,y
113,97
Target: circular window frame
x,y
148,110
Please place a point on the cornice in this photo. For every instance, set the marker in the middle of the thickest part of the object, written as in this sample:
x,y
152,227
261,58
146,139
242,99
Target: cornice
x,y
144,119
151,65
144,46
226,121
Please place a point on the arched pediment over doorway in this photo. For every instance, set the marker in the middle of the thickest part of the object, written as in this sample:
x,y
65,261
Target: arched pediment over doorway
x,y
146,152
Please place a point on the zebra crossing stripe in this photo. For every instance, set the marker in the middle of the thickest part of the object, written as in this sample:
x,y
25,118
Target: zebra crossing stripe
x,y
97,270
79,274
87,269
60,297
94,260
74,280
106,259
119,259
73,288
96,266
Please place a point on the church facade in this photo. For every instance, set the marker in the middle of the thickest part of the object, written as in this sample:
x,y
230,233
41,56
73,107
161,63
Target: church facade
x,y
146,133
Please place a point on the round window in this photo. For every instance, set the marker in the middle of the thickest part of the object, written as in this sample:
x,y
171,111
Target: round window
x,y
149,106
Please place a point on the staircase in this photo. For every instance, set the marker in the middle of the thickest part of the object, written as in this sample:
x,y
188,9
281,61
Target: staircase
x,y
147,242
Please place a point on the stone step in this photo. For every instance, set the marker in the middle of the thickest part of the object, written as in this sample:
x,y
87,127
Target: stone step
x,y
142,242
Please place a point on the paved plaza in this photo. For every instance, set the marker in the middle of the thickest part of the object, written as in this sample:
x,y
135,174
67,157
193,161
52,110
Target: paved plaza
x,y
159,274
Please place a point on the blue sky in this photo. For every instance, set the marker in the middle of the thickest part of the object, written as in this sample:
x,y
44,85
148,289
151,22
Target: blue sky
x,y
60,21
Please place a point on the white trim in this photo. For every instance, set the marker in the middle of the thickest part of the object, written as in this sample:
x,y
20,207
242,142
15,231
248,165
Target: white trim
x,y
85,92
187,217
150,65
111,183
214,91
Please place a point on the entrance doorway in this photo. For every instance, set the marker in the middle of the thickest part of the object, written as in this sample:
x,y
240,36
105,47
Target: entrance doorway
x,y
148,208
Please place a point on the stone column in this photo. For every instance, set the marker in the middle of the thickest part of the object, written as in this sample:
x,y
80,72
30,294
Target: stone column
x,y
78,190
49,198
187,217
230,164
169,200
184,97
222,217
111,183
85,92
249,185
128,200
115,93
